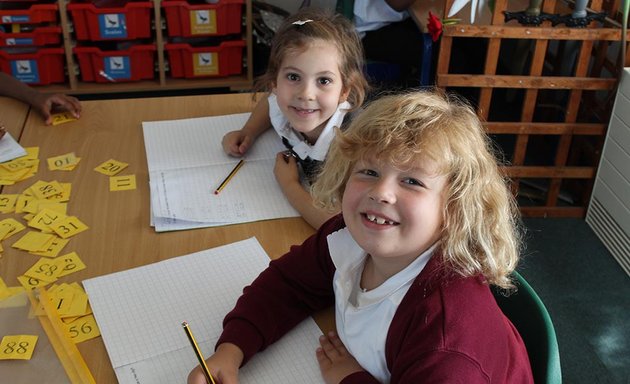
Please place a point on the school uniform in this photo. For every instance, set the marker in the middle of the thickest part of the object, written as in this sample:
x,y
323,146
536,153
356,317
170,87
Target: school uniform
x,y
308,156
445,329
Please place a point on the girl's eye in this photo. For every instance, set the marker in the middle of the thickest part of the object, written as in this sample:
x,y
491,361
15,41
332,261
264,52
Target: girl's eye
x,y
293,77
412,181
368,172
324,81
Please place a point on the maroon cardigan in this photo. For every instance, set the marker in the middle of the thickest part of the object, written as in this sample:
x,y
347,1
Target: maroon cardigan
x,y
447,329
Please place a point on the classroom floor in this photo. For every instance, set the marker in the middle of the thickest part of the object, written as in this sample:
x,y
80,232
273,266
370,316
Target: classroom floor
x,y
587,295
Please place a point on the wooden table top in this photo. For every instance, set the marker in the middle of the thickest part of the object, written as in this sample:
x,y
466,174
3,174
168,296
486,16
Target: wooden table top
x,y
13,115
119,235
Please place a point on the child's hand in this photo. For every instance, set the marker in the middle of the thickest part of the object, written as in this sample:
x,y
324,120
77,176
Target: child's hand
x,y
286,171
223,366
335,362
236,143
46,103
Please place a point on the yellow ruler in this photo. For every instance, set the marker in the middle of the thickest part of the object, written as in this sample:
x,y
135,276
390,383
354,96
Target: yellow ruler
x,y
68,353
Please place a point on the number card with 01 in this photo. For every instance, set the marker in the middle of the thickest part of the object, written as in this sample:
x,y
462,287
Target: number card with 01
x,y
65,162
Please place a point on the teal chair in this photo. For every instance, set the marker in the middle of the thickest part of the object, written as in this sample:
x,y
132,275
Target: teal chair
x,y
530,317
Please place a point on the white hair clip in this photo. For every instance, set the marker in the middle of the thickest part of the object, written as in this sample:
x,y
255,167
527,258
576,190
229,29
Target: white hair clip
x,y
301,22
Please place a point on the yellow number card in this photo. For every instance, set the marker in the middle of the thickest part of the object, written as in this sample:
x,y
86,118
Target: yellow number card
x,y
111,167
83,328
53,249
62,117
7,202
64,195
13,226
31,282
33,241
45,269
31,153
69,263
44,219
68,227
43,190
23,201
122,183
65,162
17,347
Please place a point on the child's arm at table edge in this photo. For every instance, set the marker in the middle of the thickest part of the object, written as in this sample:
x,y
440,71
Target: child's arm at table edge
x,y
292,288
237,143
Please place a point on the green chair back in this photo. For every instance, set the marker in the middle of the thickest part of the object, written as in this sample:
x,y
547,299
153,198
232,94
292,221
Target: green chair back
x,y
530,317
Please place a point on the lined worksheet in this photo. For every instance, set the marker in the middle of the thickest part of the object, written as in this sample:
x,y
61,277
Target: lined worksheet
x,y
187,163
140,311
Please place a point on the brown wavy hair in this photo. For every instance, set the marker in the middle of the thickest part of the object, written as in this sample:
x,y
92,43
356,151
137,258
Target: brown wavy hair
x,y
326,26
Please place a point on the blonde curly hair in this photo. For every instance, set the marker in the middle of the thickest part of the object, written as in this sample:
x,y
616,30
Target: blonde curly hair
x,y
481,232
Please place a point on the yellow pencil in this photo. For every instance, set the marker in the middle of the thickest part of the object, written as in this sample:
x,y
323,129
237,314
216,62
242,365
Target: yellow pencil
x,y
229,177
202,361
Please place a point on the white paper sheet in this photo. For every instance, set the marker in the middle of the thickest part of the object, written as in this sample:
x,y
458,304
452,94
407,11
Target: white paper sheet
x,y
10,149
140,311
187,163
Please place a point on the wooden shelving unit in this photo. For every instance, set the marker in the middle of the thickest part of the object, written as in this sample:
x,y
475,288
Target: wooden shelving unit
x,y
545,93
162,80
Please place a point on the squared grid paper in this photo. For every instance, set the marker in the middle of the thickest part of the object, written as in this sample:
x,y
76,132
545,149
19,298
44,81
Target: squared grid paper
x,y
140,311
230,205
185,168
190,143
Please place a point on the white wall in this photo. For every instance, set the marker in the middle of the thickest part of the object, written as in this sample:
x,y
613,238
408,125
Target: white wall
x,y
609,210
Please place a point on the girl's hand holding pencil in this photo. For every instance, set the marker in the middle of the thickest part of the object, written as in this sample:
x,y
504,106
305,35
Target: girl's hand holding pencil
x,y
223,364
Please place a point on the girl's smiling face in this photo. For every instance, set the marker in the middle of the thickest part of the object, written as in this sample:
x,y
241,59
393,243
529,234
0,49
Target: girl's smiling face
x,y
309,87
393,213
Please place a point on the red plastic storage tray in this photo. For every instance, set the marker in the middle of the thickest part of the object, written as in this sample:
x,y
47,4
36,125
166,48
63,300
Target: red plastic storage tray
x,y
39,36
40,67
133,64
132,21
36,13
223,60
183,19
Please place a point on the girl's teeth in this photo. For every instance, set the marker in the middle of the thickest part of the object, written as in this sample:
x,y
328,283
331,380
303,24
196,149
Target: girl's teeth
x,y
378,220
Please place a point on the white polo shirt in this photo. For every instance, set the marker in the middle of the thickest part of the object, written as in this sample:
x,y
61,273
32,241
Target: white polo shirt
x,y
363,318
303,149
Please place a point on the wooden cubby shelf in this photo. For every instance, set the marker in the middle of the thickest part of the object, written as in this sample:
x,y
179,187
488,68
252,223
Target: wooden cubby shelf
x,y
162,80
545,94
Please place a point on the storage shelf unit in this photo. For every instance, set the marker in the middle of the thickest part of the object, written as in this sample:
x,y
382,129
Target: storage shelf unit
x,y
80,32
545,93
